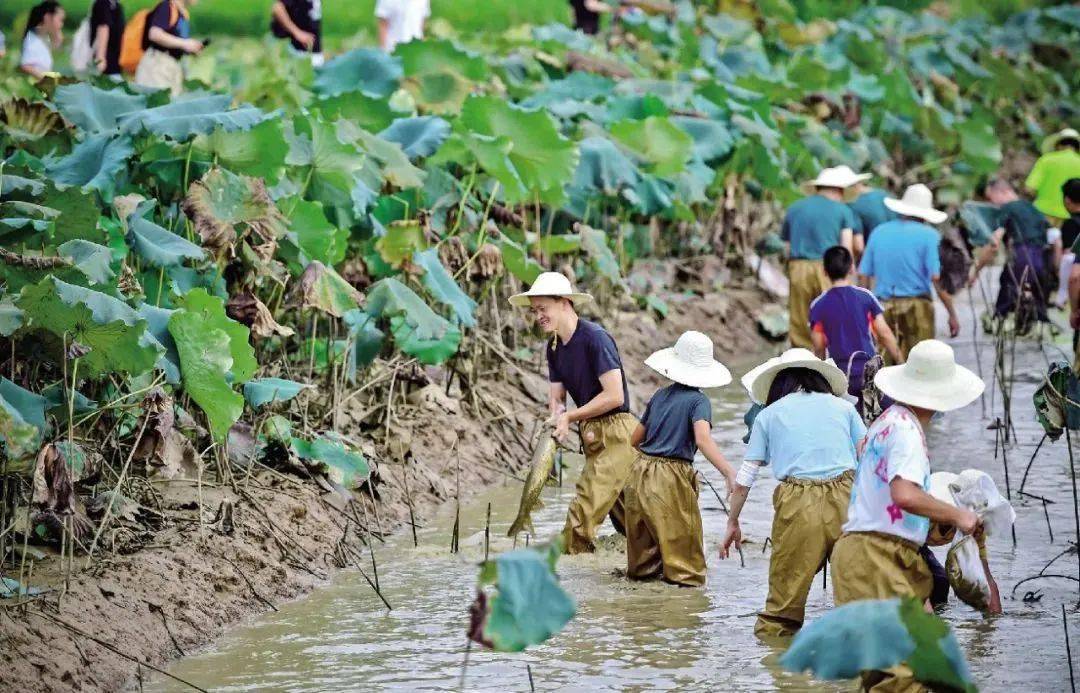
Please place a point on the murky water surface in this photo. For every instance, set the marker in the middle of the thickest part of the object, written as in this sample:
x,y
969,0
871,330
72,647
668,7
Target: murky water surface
x,y
637,637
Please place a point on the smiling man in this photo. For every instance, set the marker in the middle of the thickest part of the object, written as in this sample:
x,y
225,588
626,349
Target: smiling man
x,y
584,362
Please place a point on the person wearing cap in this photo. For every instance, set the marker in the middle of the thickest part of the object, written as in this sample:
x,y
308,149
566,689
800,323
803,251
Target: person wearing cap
x,y
888,519
1059,162
807,433
811,226
664,537
583,361
903,260
869,207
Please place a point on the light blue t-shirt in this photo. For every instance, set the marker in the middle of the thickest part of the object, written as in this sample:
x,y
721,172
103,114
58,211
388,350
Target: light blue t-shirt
x,y
902,257
813,225
807,435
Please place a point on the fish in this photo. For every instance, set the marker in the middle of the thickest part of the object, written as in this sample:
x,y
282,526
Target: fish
x,y
543,461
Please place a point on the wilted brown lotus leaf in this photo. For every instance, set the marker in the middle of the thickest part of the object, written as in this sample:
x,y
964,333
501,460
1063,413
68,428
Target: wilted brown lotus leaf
x,y
247,309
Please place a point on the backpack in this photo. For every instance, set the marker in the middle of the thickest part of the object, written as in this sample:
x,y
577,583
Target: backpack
x,y
82,49
131,45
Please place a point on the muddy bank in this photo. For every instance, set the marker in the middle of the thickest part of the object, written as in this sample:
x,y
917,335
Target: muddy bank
x,y
151,594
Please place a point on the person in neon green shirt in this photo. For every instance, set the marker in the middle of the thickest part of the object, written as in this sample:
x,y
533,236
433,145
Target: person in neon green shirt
x,y
1060,162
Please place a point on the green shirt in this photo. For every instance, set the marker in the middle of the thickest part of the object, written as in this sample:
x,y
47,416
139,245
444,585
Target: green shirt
x,y
1047,176
813,225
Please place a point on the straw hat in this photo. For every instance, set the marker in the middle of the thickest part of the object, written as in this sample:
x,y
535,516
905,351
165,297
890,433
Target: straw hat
x,y
836,177
1051,142
974,490
930,379
917,202
550,284
763,376
690,362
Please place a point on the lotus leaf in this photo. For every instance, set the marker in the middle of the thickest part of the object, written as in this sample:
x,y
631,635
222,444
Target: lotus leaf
x,y
78,215
401,240
11,318
93,164
329,163
157,245
366,70
194,114
19,438
323,289
95,110
157,324
225,207
594,243
712,139
517,260
443,287
366,112
417,330
205,364
258,152
263,391
91,259
418,137
367,340
396,168
10,183
657,141
25,122
603,168
340,464
211,311
314,236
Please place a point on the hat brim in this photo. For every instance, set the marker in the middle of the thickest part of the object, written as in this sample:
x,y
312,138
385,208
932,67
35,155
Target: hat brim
x,y
934,216
763,379
522,300
1050,143
960,390
667,364
810,187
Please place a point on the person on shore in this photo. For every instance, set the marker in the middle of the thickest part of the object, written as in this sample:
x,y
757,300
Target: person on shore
x,y
811,226
166,40
808,433
869,207
583,361
1059,162
903,260
845,320
1070,234
1024,231
891,509
300,21
664,536
107,30
44,34
401,21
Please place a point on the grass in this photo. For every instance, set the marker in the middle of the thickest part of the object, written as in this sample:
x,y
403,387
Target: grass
x,y
340,17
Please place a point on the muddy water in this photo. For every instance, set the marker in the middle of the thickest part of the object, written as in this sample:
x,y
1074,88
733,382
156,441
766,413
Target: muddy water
x,y
639,637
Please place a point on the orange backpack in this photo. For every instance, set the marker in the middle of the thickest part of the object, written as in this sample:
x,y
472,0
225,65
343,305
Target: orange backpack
x,y
131,43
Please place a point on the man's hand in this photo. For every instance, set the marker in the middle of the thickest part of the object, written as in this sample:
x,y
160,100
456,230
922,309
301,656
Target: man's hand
x,y
305,38
562,427
100,63
954,326
193,46
994,607
967,521
733,536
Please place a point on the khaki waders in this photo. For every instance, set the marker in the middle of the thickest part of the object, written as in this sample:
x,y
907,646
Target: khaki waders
x,y
911,320
664,537
608,459
873,565
807,281
808,515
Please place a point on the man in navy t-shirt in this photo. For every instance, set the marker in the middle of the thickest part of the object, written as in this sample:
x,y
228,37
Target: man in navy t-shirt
x,y
845,319
584,362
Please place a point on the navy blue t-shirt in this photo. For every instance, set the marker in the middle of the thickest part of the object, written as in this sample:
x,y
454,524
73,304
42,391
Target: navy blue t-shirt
x,y
669,421
580,362
844,315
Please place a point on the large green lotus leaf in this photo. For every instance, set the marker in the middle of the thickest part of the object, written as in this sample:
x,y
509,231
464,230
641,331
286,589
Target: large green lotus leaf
x,y
979,144
322,288
30,406
19,438
417,329
157,245
205,363
443,288
577,86
560,244
113,332
657,141
367,112
439,91
542,158
518,262
26,223
418,57
401,240
329,163
367,340
712,139
595,245
157,324
197,114
262,391
258,152
366,70
93,164
313,235
418,137
93,260
11,317
937,658
492,154
95,110
395,165
603,168
211,311
638,107
342,465
529,606
79,215
10,183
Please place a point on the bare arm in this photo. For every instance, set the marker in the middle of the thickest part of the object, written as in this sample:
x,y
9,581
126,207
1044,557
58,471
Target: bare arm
x,y
947,301
33,71
820,343
282,16
986,254
847,240
912,499
734,531
556,399
101,44
164,39
859,243
887,338
705,443
637,436
610,397
384,33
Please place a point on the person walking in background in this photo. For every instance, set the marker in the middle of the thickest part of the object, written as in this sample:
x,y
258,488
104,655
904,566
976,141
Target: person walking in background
x,y
401,21
1070,234
903,260
845,320
664,536
811,226
1071,191
166,39
300,21
869,207
107,30
808,433
44,34
1059,162
587,15
583,361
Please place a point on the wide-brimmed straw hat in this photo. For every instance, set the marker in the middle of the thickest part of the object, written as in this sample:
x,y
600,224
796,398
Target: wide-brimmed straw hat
x,y
1050,143
690,362
836,177
931,379
974,490
552,285
759,381
917,202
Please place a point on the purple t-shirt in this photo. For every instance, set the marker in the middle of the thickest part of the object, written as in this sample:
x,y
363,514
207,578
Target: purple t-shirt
x,y
579,363
844,314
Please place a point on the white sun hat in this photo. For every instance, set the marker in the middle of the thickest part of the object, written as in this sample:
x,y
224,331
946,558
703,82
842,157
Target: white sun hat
x,y
550,284
974,490
917,202
765,374
836,177
1051,142
690,362
930,379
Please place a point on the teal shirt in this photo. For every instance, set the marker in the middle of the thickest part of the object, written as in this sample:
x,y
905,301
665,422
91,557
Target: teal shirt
x,y
806,435
871,210
1023,223
813,225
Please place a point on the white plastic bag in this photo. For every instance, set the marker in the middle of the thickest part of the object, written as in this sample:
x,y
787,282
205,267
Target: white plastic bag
x,y
82,49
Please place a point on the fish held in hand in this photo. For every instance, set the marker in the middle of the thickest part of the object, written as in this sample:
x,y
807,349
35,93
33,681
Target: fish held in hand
x,y
543,461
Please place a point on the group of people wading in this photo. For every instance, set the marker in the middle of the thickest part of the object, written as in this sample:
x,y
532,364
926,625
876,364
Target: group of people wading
x,y
856,496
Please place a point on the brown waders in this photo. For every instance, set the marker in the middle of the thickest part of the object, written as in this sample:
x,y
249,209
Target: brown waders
x,y
874,565
608,458
808,515
911,319
664,537
807,281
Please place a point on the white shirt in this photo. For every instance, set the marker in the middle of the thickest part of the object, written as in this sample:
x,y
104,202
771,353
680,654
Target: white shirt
x,y
404,18
894,448
36,53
